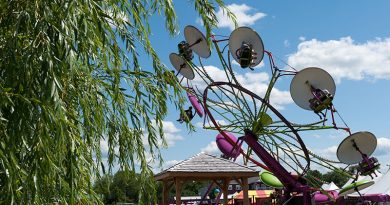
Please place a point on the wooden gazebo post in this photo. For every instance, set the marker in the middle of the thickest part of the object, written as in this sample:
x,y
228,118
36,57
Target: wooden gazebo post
x,y
178,186
245,188
225,187
166,187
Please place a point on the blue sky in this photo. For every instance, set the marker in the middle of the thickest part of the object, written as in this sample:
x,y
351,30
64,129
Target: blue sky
x,y
350,39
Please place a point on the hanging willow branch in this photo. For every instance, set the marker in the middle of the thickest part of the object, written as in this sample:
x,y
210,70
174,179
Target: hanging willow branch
x,y
69,79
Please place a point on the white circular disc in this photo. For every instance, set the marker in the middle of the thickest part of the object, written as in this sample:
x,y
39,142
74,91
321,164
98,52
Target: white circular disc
x,y
360,185
192,34
181,66
247,35
347,153
300,85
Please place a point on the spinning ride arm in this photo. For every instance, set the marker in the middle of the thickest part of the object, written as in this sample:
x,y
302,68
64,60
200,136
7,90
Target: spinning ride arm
x,y
269,160
240,112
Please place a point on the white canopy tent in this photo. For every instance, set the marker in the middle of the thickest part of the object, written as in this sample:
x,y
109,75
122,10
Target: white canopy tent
x,y
361,178
330,186
379,192
381,186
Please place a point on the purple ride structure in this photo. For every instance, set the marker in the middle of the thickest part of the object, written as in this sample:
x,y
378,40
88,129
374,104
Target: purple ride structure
x,y
272,142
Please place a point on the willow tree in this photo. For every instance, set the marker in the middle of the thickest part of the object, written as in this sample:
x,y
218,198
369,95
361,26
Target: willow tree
x,y
70,78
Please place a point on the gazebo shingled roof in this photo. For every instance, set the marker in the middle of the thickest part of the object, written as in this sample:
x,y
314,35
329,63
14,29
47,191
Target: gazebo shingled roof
x,y
204,165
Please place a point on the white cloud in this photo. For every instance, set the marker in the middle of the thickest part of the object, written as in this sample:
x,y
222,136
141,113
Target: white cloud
x,y
326,153
383,147
221,122
171,139
330,152
104,147
302,38
118,16
286,43
199,124
171,134
215,73
255,81
211,148
169,127
170,163
210,124
261,64
243,13
166,164
345,59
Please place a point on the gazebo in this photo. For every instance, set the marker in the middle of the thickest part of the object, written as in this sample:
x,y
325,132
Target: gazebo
x,y
205,167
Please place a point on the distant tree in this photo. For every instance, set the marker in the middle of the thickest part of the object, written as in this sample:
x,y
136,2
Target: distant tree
x,y
127,186
102,187
337,177
122,187
159,190
70,77
191,188
314,178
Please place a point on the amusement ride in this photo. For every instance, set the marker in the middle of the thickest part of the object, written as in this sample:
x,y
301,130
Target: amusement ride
x,y
273,142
